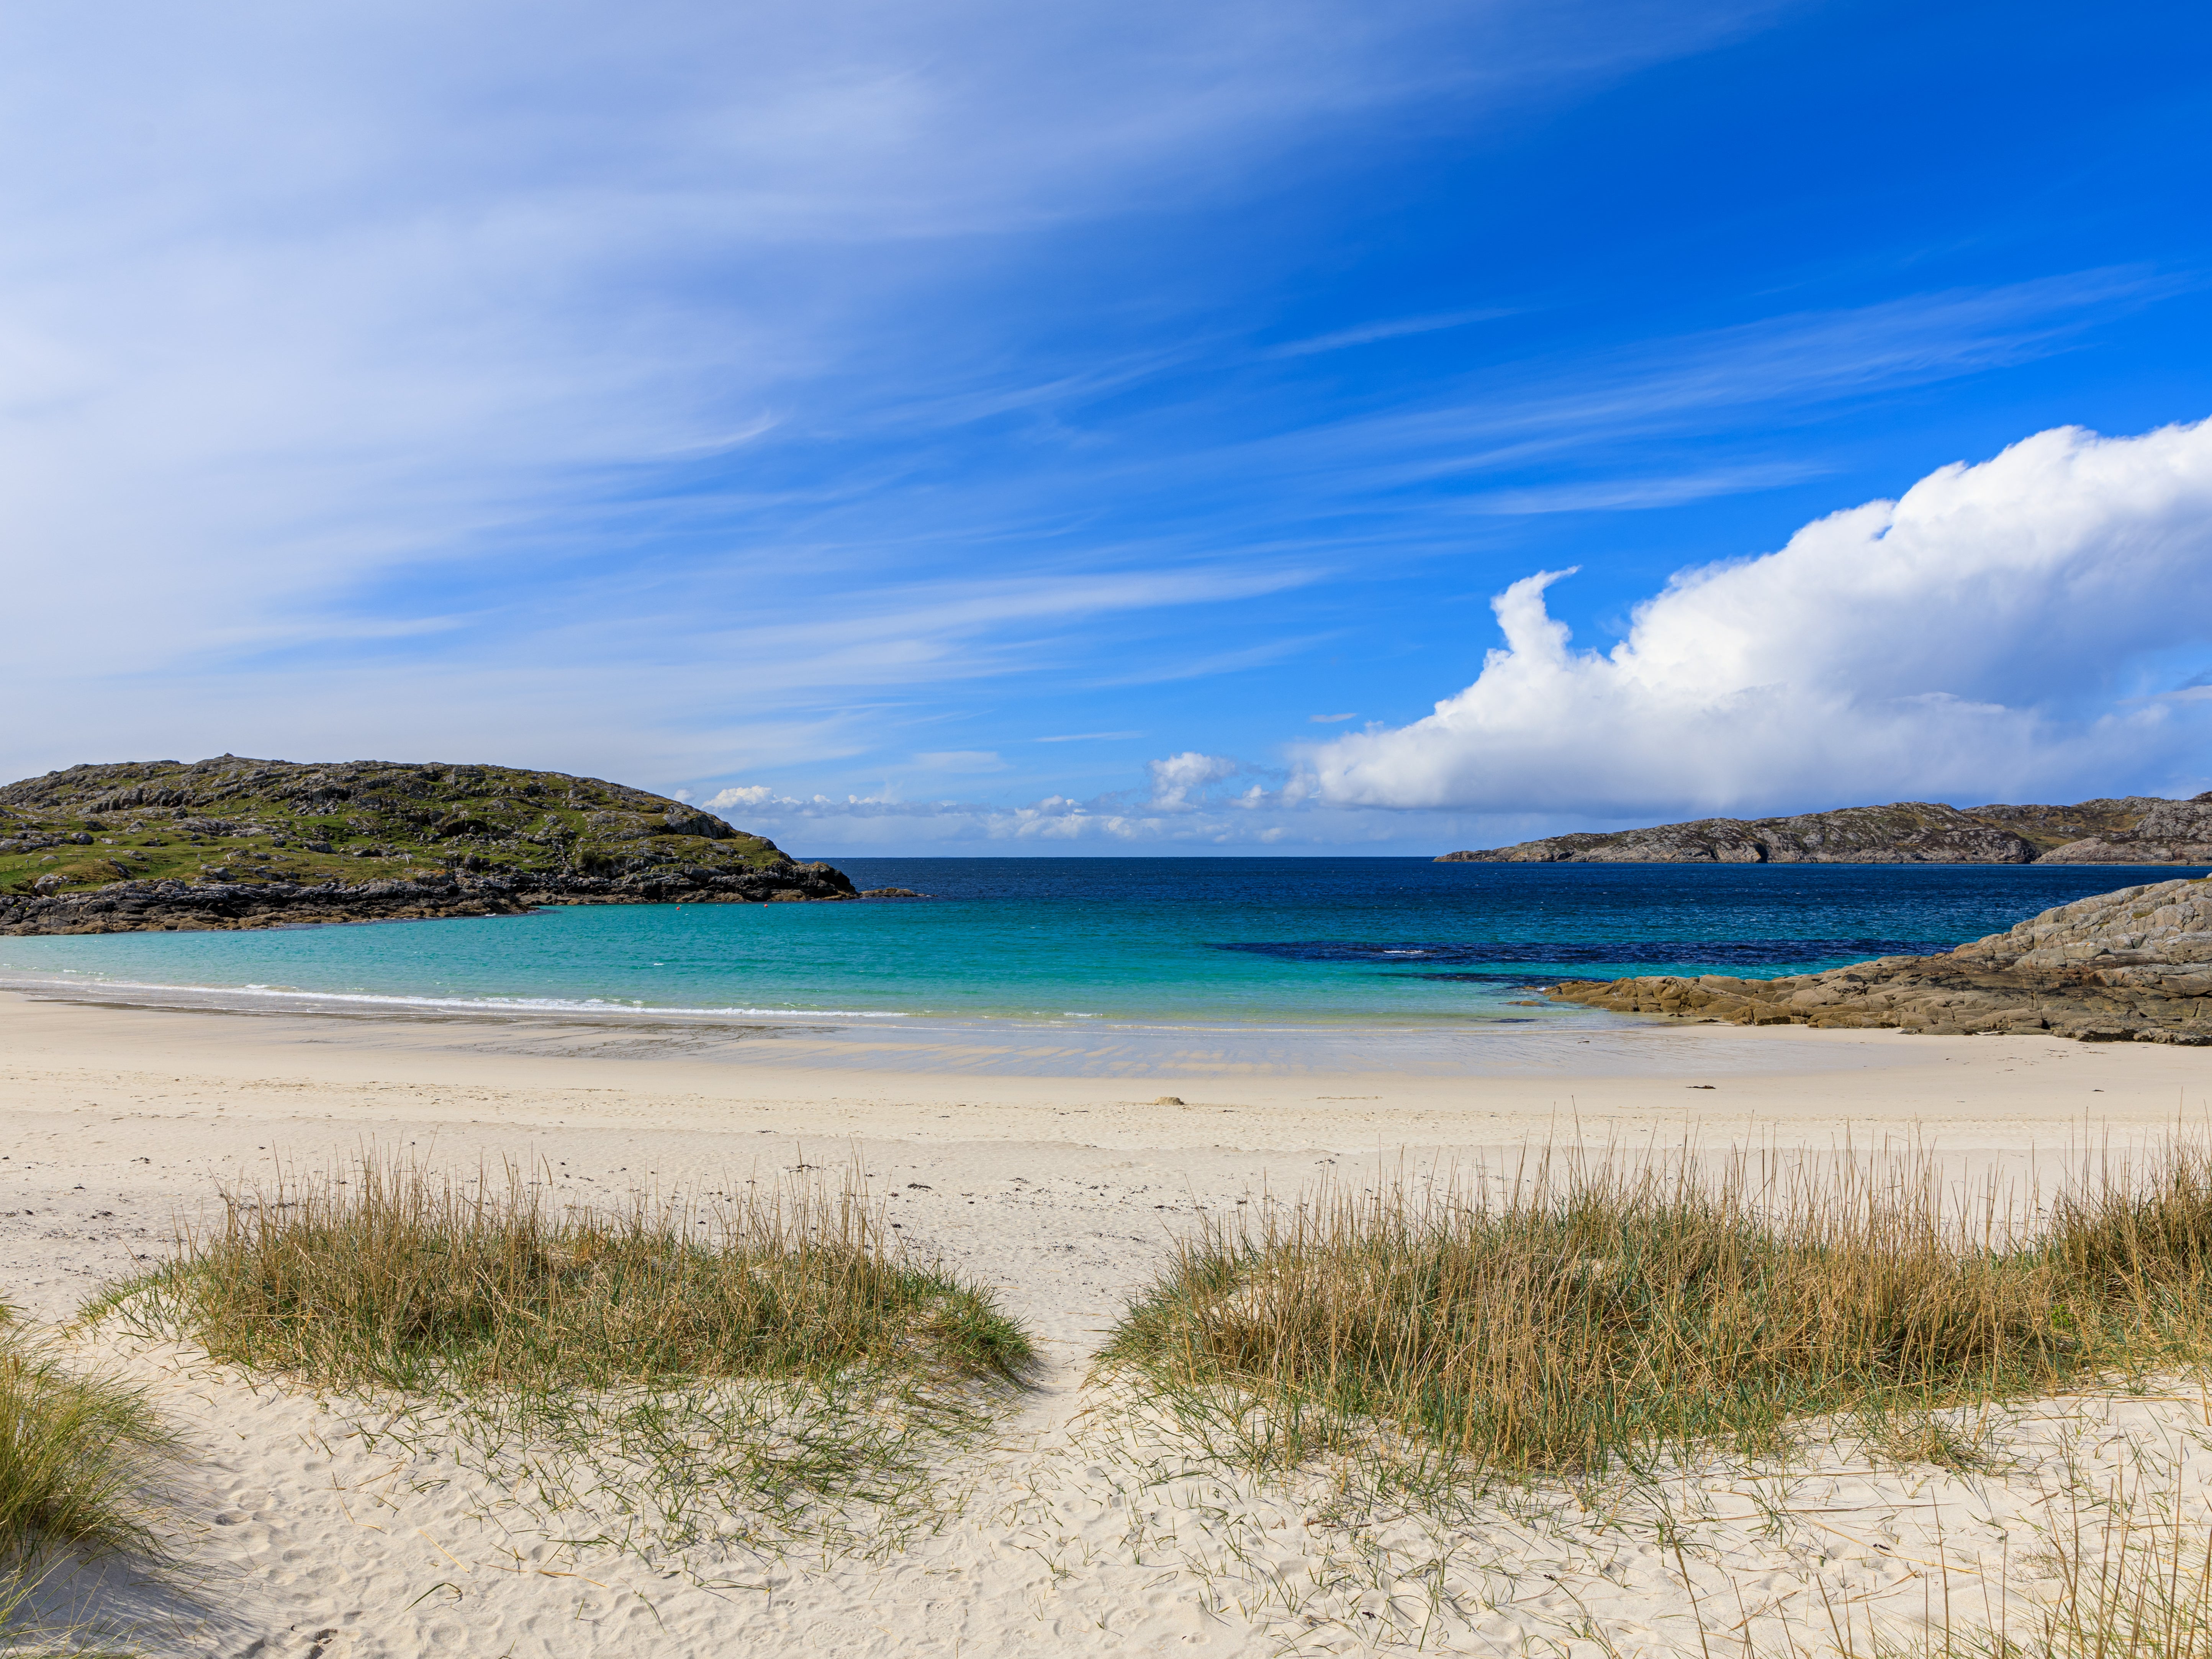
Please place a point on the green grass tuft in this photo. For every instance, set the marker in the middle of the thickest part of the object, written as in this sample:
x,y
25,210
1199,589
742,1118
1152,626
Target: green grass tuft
x,y
78,1454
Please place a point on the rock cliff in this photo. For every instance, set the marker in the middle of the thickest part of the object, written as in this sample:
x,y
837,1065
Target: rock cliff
x,y
232,843
2134,829
2135,965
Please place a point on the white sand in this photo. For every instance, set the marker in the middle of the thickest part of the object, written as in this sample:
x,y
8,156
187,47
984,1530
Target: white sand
x,y
301,1537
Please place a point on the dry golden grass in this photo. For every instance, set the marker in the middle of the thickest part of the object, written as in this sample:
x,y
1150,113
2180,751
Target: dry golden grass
x,y
383,1275
636,1375
2126,1586
2143,1594
1598,1310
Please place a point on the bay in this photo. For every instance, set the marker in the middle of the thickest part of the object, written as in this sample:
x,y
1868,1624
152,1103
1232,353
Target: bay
x,y
1288,939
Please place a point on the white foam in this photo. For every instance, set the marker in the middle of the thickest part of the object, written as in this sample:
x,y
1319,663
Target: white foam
x,y
75,979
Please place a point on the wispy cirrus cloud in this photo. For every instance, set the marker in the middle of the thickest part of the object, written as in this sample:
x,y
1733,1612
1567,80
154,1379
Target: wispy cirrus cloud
x,y
1372,333
1637,494
828,395
1600,405
623,338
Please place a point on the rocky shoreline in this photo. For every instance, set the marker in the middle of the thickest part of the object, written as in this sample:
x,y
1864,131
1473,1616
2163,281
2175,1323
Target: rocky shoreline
x,y
2132,830
2134,965
130,907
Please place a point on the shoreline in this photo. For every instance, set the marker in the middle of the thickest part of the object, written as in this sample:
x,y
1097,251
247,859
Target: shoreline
x,y
278,1001
809,1050
164,1062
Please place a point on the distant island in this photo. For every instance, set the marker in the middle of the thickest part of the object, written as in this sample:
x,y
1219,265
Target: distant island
x,y
234,842
2134,830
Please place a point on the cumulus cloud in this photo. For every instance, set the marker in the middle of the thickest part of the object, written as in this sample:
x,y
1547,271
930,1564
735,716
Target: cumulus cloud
x,y
1179,777
1055,817
743,798
1974,638
1191,798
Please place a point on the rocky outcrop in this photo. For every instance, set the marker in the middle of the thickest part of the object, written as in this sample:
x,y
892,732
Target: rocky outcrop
x,y
188,907
2134,830
2133,965
129,907
1906,832
2170,832
234,842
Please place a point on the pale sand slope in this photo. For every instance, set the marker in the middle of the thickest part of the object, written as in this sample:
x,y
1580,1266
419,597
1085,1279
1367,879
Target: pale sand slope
x,y
1062,1191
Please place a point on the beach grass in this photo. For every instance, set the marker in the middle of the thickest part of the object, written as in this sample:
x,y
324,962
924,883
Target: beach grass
x,y
1596,1310
82,1455
383,1274
2124,1585
79,1454
639,1372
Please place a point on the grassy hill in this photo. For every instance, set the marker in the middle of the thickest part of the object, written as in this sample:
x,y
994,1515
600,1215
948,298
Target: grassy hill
x,y
232,820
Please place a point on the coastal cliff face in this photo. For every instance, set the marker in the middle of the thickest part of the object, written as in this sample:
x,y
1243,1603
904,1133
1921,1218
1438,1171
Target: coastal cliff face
x,y
2134,830
232,843
2134,965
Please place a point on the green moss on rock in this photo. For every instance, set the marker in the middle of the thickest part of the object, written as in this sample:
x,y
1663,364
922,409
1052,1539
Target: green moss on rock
x,y
283,840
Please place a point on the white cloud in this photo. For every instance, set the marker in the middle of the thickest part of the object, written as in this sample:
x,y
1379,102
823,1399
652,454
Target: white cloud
x,y
1971,639
1178,777
1183,805
746,798
904,822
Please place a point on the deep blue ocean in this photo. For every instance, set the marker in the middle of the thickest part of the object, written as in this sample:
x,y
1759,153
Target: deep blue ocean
x,y
1296,939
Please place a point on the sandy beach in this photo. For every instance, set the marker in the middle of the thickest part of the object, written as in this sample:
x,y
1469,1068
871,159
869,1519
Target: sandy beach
x,y
1062,1188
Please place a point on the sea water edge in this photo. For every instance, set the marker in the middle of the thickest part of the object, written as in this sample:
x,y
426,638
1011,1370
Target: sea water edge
x,y
1241,944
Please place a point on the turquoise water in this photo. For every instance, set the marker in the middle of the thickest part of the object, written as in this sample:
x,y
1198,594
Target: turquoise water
x,y
1161,939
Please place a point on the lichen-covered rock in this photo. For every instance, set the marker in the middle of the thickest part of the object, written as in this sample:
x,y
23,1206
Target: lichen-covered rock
x,y
2135,965
2147,934
2171,832
1905,832
2134,830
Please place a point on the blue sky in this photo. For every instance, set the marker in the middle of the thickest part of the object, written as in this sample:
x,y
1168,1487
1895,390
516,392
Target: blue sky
x,y
982,428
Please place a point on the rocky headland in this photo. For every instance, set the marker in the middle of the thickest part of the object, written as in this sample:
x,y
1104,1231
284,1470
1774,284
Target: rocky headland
x,y
2133,829
2134,965
232,843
